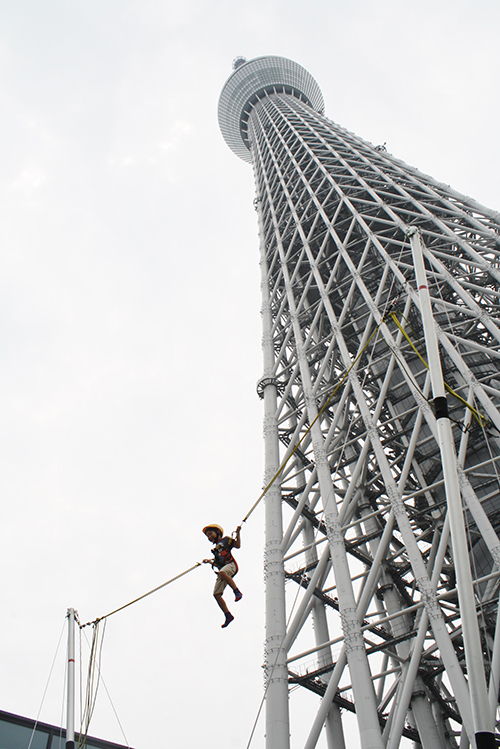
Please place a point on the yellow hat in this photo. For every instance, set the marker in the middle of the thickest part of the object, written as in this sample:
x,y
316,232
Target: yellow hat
x,y
213,527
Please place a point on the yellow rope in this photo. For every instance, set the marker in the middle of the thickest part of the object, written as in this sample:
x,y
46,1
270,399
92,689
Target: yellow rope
x,y
159,587
335,390
479,418
262,495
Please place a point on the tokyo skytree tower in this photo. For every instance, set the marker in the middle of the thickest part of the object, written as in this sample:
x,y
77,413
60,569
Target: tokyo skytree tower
x,y
381,392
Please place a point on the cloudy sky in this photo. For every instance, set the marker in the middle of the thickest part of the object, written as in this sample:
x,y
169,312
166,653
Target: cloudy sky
x,y
130,327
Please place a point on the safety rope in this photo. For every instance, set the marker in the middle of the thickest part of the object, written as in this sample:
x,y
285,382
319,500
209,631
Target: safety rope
x,y
91,691
320,412
93,681
94,671
340,383
479,418
263,493
145,595
482,420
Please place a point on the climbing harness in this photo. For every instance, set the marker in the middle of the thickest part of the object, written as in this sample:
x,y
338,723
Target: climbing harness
x,y
222,554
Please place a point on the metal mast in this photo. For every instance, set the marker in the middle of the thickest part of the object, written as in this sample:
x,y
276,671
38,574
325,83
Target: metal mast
x,y
70,697
381,386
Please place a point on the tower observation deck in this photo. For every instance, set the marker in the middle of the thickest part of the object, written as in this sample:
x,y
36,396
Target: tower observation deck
x,y
381,393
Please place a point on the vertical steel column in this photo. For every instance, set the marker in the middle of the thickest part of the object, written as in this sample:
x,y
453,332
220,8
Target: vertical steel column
x,y
481,712
276,674
495,673
333,723
366,714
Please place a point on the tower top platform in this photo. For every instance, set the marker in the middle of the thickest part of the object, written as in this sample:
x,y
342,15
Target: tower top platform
x,y
249,82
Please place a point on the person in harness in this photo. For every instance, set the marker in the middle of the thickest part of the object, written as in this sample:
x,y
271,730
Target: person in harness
x,y
224,561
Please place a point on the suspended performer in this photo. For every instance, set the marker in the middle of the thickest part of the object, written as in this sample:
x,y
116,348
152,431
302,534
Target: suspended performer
x,y
226,564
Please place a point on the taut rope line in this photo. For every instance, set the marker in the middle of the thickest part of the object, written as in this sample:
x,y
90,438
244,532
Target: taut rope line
x,y
334,391
158,587
481,419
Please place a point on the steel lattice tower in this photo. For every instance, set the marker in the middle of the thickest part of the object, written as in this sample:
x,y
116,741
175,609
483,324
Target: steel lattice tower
x,y
381,390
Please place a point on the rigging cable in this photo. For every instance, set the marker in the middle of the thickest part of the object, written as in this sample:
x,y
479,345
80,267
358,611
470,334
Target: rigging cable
x,y
64,700
93,679
479,417
46,686
94,667
323,408
158,587
101,679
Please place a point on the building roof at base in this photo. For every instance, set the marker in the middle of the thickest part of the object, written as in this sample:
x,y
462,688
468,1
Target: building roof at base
x,y
16,731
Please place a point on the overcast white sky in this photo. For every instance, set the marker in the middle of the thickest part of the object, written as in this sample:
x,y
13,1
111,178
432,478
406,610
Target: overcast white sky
x,y
130,326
